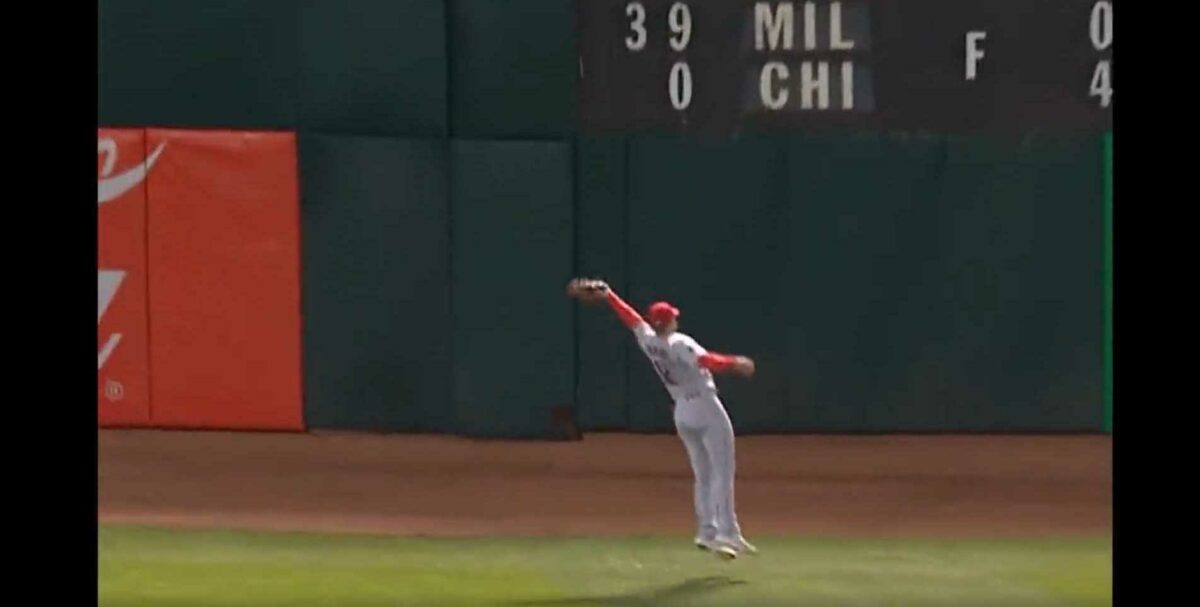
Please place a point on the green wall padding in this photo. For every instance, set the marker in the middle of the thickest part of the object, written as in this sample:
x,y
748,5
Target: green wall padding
x,y
945,284
511,256
376,283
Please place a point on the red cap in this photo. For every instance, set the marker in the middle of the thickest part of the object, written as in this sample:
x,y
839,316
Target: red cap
x,y
661,312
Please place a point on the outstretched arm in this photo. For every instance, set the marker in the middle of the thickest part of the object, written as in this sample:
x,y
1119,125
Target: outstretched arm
x,y
629,317
591,290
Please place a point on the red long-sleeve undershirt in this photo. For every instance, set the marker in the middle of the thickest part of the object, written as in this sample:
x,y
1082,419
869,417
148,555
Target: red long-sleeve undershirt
x,y
624,311
717,362
712,361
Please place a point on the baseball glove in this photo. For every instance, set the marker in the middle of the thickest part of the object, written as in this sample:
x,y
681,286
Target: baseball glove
x,y
587,289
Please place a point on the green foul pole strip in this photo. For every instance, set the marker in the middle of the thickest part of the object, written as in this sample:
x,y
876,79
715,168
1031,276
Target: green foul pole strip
x,y
1108,281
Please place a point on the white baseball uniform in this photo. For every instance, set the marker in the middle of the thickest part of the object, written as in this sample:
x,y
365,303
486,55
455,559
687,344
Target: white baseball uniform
x,y
702,424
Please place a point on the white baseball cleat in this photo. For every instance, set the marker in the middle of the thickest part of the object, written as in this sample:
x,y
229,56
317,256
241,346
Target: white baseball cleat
x,y
721,550
738,544
725,552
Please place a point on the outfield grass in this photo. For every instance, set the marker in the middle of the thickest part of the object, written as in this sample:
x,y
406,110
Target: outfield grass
x,y
168,568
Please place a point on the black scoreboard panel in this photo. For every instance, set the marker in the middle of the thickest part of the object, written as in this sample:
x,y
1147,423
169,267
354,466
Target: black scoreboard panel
x,y
725,66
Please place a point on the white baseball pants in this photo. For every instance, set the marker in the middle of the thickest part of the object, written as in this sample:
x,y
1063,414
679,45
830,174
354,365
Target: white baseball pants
x,y
707,434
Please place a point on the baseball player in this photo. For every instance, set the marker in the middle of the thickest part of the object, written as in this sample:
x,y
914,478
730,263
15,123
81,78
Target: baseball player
x,y
686,370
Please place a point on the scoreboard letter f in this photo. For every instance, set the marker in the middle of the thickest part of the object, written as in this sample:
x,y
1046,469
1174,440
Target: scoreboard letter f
x,y
974,53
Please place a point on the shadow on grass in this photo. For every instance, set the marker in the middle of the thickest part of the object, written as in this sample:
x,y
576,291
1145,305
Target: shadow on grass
x,y
659,596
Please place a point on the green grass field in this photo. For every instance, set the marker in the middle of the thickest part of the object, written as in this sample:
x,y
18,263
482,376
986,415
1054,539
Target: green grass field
x,y
167,568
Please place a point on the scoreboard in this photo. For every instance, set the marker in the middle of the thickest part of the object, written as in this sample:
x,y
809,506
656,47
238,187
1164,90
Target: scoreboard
x,y
727,66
